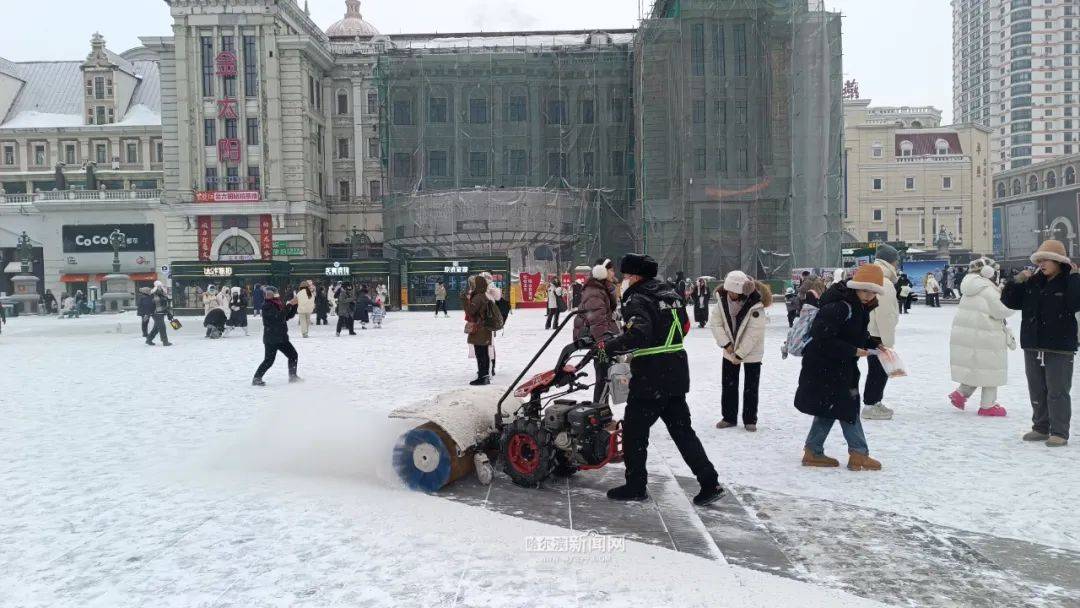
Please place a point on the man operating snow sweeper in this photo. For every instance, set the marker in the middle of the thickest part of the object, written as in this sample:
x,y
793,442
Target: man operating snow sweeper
x,y
655,323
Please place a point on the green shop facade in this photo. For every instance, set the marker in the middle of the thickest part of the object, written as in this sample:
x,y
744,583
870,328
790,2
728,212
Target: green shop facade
x,y
409,283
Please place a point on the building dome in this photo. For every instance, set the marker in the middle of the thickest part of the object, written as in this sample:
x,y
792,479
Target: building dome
x,y
353,25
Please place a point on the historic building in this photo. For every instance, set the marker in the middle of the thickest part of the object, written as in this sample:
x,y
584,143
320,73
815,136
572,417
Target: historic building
x,y
1035,203
908,177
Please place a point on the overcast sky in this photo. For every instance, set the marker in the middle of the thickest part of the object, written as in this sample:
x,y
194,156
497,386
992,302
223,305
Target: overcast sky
x,y
898,50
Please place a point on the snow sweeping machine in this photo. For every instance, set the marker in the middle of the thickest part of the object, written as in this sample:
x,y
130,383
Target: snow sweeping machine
x,y
473,430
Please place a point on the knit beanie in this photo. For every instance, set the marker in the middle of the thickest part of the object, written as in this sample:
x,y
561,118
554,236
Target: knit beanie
x,y
887,253
869,277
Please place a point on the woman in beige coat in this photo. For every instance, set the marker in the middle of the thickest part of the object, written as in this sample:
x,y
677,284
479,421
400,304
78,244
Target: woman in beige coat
x,y
738,323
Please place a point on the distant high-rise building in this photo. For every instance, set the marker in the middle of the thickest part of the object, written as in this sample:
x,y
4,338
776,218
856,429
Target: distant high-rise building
x,y
1013,72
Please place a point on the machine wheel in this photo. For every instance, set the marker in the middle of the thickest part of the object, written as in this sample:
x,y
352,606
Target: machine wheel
x,y
426,459
526,451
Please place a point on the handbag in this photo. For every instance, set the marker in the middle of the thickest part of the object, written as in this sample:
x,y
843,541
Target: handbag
x,y
1010,339
175,324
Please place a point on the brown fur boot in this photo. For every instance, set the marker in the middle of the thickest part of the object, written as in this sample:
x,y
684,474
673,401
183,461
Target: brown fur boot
x,y
859,462
811,459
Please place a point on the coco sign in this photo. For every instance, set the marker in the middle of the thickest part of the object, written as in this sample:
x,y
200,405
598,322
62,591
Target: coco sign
x,y
95,238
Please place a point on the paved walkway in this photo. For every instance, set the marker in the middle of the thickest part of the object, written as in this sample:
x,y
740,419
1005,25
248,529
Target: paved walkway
x,y
878,555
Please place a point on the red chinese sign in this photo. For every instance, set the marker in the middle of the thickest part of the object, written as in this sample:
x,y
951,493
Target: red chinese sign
x,y
227,108
226,63
205,237
229,150
266,236
230,196
529,285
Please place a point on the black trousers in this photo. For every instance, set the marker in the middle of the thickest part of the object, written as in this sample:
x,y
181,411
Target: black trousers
x,y
729,393
876,379
641,414
344,322
553,313
160,328
145,325
286,348
601,370
791,316
320,319
907,304
483,360
441,305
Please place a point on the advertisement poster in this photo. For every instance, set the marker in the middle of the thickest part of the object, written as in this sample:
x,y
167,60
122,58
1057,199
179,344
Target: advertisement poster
x,y
530,283
205,238
916,271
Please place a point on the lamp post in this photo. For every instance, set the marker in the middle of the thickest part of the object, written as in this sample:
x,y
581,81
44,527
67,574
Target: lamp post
x,y
25,252
117,240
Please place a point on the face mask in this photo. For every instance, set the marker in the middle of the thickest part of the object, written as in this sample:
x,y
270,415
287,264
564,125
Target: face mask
x,y
625,285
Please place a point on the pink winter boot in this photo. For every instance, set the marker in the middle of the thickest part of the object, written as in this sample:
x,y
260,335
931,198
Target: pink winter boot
x,y
958,400
996,410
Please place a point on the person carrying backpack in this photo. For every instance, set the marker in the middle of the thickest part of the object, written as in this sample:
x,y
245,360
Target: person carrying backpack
x,y
738,323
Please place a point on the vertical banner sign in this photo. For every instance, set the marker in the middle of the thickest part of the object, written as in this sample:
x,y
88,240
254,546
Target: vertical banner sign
x,y
266,236
529,283
204,238
567,281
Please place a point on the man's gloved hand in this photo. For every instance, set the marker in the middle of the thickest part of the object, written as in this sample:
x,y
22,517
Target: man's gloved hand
x,y
585,342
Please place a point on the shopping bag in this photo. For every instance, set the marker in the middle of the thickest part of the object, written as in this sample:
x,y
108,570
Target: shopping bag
x,y
891,362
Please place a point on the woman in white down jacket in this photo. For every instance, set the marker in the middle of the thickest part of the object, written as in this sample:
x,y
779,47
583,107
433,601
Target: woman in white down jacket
x,y
980,341
738,323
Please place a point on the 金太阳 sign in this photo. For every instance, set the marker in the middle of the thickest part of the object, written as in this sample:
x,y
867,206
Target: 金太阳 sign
x,y
218,271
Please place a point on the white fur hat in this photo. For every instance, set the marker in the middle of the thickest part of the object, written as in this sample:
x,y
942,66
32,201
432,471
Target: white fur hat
x,y
735,281
235,291
600,271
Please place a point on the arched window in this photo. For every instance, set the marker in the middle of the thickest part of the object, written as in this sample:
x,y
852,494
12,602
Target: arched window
x,y
906,148
1070,176
1001,190
916,124
1051,180
941,147
1016,189
342,101
236,245
1033,183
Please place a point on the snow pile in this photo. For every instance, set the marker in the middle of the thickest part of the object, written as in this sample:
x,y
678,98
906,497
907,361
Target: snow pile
x,y
140,115
31,119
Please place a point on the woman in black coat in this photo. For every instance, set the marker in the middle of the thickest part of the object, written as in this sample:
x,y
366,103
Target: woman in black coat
x,y
276,315
700,296
322,306
829,380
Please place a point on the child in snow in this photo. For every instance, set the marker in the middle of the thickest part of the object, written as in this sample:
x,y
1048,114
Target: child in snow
x,y
378,312
980,340
791,301
738,323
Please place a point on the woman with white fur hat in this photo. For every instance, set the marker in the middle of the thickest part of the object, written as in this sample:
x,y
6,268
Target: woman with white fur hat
x,y
738,323
980,340
597,318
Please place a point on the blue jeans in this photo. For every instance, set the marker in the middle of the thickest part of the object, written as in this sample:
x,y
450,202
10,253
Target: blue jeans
x,y
853,434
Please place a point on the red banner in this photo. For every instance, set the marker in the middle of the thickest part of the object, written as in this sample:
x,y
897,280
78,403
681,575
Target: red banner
x,y
228,196
529,284
266,236
205,240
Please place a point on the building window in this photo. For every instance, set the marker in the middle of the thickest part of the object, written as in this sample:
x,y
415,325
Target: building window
x,y
519,163
721,160
437,110
230,128
254,178
1016,189
740,112
232,178
941,147
373,102
207,49
909,183
718,50
101,154
437,163
131,153
697,49
906,148
403,112
403,165
478,164
9,154
742,156
517,110
1001,190
699,111
99,87
876,184
721,112
343,148
159,151
556,112
211,178
39,155
877,150
1051,180
588,164
252,131
618,163
209,132
588,111
344,193
100,119
946,183
739,31
556,164
878,215
373,151
1033,183
618,109
251,73
699,162
342,102
69,154
1070,176
478,111
375,190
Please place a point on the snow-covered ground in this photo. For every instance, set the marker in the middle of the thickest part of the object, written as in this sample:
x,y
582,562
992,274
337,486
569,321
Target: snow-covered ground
x,y
137,476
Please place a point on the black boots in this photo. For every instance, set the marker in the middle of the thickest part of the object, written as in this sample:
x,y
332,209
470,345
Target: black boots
x,y
481,381
707,496
628,494
257,381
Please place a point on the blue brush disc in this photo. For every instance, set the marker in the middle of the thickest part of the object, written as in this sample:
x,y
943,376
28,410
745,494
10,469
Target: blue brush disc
x,y
422,460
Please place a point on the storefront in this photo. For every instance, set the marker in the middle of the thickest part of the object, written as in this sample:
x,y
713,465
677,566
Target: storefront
x,y
191,279
371,273
423,274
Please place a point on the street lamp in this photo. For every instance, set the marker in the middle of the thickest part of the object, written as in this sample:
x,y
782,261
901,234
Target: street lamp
x,y
117,240
26,250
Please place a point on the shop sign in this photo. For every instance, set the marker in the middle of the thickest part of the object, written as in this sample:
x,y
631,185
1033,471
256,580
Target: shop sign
x,y
266,238
226,63
229,196
95,238
456,268
289,251
218,271
205,238
227,108
228,150
337,270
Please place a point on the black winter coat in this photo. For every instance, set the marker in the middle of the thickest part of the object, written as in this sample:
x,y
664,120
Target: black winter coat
x,y
829,380
145,306
1048,310
701,308
275,316
647,309
363,307
322,303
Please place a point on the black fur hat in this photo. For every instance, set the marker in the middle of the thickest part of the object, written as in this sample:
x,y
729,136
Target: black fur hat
x,y
639,264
